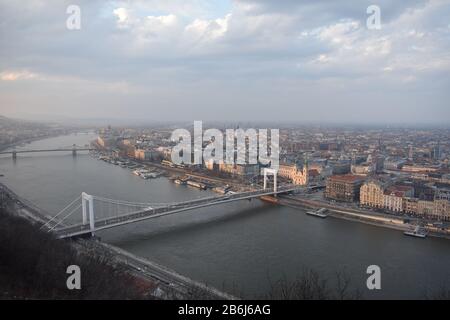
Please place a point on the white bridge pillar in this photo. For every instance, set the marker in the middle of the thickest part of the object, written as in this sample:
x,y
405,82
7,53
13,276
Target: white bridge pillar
x,y
270,171
88,201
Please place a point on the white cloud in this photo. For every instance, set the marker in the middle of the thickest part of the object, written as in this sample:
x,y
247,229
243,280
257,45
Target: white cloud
x,y
17,75
209,29
123,17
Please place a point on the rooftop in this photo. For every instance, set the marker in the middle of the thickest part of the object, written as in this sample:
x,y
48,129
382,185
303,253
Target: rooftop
x,y
348,178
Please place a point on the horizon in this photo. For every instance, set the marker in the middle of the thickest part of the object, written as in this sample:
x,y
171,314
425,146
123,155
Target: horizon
x,y
139,123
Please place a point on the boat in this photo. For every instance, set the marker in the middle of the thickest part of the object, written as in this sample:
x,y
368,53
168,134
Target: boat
x,y
195,184
222,190
418,232
149,175
270,199
321,213
180,181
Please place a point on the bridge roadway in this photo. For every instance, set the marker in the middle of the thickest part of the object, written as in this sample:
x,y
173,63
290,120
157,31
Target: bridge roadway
x,y
149,213
46,150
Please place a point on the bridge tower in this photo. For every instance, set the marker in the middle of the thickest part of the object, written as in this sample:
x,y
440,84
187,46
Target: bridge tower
x,y
274,172
74,150
14,154
87,203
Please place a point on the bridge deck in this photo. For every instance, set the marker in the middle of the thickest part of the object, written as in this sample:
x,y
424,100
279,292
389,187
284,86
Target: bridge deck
x,y
46,150
80,229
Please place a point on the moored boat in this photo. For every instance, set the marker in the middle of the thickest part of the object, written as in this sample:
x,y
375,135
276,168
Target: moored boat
x,y
321,213
418,232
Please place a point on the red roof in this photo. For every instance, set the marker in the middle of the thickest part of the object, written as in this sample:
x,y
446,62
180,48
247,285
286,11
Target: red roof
x,y
398,191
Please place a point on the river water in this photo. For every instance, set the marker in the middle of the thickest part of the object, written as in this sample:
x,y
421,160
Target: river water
x,y
240,247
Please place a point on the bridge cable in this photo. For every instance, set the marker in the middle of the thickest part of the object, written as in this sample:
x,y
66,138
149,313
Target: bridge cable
x,y
60,212
64,218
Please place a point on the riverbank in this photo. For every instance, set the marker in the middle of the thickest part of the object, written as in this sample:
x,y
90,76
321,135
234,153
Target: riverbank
x,y
379,220
34,265
238,186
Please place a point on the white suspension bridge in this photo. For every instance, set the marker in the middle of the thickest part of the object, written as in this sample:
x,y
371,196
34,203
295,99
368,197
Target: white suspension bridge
x,y
99,213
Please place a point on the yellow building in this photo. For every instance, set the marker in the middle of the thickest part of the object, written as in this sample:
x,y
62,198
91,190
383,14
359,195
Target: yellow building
x,y
393,202
291,171
372,194
410,205
425,208
442,209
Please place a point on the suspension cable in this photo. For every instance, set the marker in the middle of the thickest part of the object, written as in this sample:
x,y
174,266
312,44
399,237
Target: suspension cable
x,y
64,218
60,212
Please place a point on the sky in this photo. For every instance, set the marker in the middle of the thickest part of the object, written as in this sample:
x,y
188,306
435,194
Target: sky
x,y
245,60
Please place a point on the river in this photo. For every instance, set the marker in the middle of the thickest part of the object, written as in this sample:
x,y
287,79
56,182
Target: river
x,y
240,247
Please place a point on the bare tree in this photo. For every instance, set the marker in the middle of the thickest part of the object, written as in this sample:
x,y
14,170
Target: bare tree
x,y
309,285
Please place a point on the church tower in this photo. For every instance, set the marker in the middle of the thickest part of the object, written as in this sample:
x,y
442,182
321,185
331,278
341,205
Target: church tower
x,y
306,171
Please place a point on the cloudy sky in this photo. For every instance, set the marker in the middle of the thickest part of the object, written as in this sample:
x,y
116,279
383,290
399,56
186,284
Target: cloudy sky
x,y
249,60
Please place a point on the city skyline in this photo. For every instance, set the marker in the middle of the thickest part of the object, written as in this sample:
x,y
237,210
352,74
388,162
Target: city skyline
x,y
246,60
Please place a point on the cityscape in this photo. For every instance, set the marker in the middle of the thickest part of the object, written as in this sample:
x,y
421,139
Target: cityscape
x,y
231,150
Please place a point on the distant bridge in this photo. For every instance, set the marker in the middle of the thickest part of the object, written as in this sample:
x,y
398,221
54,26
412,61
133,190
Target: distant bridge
x,y
98,213
74,149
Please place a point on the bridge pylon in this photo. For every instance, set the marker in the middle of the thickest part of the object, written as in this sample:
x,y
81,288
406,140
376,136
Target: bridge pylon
x,y
14,155
74,150
274,172
87,203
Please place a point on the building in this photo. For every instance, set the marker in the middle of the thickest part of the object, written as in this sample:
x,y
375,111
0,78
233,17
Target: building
x,y
372,194
211,165
425,208
419,169
118,153
107,142
378,162
394,164
292,172
165,152
130,150
410,205
436,152
145,155
438,209
341,167
393,202
245,170
394,197
423,191
442,209
363,169
344,187
442,194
